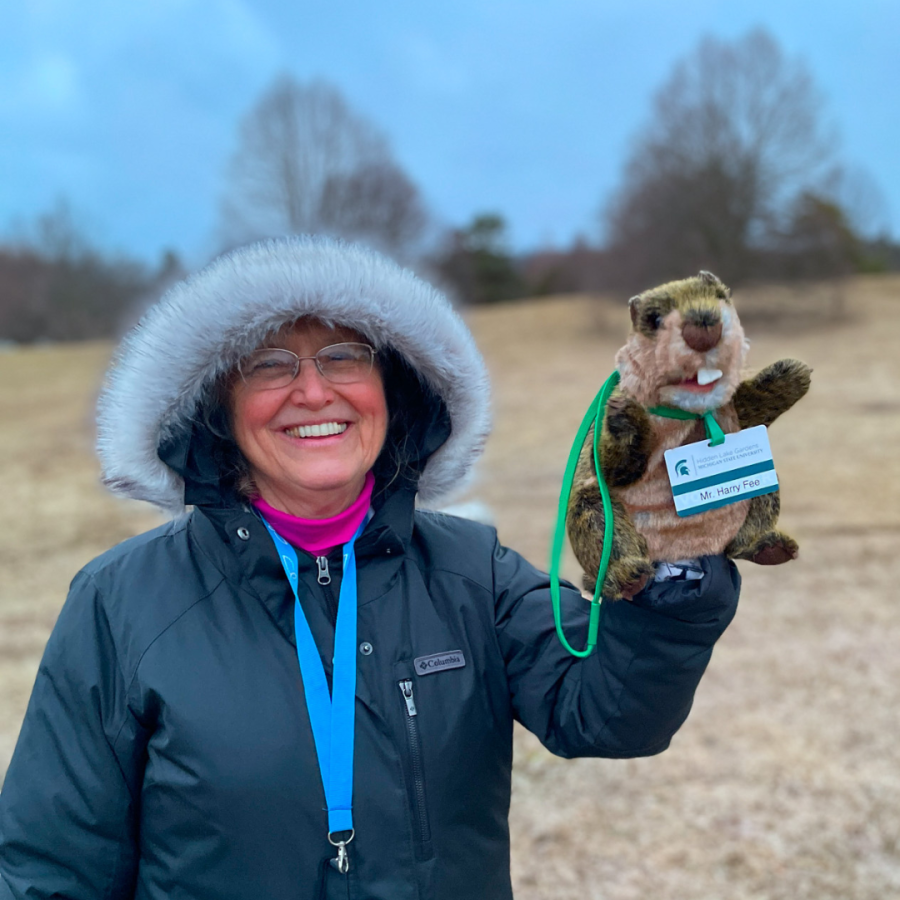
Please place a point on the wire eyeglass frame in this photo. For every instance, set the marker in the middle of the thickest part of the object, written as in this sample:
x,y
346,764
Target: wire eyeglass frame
x,y
357,368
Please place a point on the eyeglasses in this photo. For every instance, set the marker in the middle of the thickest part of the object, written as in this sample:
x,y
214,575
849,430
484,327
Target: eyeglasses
x,y
273,367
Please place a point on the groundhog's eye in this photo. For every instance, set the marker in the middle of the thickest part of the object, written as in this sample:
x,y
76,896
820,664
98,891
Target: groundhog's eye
x,y
652,319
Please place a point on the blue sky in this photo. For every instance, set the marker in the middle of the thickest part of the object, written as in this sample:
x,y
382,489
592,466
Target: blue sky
x,y
527,108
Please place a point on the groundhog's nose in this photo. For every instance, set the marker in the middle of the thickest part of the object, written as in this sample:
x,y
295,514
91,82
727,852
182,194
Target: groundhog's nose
x,y
701,337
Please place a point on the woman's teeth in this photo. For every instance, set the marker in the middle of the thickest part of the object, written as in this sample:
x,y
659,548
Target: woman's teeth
x,y
708,376
323,430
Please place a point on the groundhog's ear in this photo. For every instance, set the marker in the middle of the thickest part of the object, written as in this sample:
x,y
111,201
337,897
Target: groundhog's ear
x,y
722,292
633,309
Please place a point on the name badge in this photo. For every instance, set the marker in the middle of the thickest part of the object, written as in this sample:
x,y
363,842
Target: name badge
x,y
705,477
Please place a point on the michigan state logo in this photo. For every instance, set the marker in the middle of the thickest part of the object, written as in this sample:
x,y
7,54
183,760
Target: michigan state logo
x,y
681,468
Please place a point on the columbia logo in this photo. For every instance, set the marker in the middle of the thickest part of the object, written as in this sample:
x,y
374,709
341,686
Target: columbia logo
x,y
439,662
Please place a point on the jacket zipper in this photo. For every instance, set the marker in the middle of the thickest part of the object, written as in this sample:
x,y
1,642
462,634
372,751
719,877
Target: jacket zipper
x,y
415,749
323,576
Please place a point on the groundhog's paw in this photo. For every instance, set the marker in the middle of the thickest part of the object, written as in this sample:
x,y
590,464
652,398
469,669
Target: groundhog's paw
x,y
627,577
625,418
791,374
773,549
762,399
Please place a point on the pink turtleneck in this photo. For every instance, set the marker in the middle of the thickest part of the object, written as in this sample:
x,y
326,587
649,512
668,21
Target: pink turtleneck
x,y
318,536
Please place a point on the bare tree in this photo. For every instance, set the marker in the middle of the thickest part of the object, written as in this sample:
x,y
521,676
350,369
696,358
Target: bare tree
x,y
306,162
735,135
375,200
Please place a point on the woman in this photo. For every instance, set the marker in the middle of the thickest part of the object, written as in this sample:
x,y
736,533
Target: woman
x,y
176,745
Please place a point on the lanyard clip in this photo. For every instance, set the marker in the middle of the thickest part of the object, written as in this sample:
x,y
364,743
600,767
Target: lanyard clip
x,y
342,861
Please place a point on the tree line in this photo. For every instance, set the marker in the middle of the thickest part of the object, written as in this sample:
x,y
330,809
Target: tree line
x,y
733,171
56,286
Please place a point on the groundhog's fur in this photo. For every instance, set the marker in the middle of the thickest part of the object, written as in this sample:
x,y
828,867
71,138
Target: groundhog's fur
x,y
678,329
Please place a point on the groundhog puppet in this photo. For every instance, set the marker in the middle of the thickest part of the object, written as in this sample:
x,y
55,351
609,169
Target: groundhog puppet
x,y
685,350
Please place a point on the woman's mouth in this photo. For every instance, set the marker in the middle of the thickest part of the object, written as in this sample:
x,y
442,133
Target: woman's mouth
x,y
323,429
702,382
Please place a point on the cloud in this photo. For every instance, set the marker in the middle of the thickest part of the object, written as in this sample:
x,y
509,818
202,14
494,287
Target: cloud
x,y
127,96
58,52
46,84
426,63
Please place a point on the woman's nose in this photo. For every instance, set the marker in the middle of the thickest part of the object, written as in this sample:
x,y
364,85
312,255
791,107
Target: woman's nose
x,y
311,384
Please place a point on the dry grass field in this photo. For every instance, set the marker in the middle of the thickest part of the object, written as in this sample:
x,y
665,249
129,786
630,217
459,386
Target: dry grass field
x,y
785,782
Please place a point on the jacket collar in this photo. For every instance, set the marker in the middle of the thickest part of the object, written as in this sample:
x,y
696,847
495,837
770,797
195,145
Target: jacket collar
x,y
237,543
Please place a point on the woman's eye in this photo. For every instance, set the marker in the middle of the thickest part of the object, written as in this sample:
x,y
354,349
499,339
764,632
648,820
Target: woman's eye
x,y
336,356
267,368
343,354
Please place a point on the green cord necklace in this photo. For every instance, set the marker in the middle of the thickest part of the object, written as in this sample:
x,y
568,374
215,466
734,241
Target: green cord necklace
x,y
713,430
594,416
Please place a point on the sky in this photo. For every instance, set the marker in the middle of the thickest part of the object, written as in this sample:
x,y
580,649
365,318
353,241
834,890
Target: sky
x,y
130,111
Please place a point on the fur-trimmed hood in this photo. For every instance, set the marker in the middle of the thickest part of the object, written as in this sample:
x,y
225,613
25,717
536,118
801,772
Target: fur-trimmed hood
x,y
167,365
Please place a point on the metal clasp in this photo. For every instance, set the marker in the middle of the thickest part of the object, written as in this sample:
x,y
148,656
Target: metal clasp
x,y
342,861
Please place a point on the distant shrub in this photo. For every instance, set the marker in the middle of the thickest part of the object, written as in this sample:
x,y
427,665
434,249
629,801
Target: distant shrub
x,y
476,263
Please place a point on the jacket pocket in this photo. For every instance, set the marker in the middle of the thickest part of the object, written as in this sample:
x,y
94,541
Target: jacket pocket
x,y
416,775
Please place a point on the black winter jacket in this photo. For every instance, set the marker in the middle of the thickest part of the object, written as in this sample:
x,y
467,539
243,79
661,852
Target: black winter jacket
x,y
167,752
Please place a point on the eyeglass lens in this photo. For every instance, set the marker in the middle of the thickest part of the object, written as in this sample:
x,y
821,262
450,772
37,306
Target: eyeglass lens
x,y
340,363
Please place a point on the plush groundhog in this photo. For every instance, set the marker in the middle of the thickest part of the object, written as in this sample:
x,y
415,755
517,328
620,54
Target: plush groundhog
x,y
685,350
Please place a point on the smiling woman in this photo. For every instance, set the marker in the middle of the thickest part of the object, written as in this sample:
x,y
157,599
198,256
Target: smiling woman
x,y
305,685
310,433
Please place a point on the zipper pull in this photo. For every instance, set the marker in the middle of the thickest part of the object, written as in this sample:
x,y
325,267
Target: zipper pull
x,y
324,576
407,690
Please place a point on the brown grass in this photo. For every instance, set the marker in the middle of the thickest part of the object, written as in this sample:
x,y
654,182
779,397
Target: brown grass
x,y
784,784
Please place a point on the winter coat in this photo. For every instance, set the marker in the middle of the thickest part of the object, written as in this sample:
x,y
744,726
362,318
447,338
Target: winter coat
x,y
167,750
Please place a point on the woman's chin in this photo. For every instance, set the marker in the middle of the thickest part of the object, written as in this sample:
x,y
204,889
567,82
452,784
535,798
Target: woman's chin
x,y
312,494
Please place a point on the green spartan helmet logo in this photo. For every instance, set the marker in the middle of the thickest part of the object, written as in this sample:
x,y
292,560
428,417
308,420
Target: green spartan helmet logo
x,y
681,467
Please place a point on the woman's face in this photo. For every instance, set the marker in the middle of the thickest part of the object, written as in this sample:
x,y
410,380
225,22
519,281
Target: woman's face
x,y
311,477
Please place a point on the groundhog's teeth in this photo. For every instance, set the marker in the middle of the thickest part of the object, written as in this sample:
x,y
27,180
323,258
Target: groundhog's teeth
x,y
708,376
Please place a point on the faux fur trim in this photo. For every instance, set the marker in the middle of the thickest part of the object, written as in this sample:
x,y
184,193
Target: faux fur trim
x,y
202,326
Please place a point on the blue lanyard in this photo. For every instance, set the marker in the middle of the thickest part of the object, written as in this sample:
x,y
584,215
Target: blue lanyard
x,y
331,715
